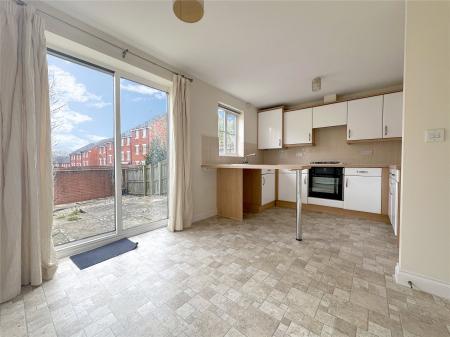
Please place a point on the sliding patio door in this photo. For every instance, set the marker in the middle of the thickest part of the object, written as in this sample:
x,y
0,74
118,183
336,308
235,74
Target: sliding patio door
x,y
82,127
144,154
110,151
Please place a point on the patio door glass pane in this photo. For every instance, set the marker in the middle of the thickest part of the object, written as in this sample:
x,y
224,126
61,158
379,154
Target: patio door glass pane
x,y
82,123
144,152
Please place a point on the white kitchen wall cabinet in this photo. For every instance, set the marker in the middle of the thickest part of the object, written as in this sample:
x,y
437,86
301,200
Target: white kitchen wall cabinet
x,y
365,118
362,189
330,115
268,188
392,115
298,127
270,129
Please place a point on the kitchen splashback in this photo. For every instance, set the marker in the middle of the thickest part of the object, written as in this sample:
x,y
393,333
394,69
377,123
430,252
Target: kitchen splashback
x,y
210,152
331,144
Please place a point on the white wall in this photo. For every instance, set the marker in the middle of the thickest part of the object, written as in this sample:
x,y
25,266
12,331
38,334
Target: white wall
x,y
425,195
204,123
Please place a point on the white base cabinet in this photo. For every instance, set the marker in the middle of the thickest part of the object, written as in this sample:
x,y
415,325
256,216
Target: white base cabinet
x,y
305,186
362,189
268,187
287,186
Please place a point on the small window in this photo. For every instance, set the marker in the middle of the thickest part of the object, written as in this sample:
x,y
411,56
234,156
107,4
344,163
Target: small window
x,y
228,131
136,148
144,132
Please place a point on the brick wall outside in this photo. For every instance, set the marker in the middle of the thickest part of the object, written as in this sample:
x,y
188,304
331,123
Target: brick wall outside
x,y
83,183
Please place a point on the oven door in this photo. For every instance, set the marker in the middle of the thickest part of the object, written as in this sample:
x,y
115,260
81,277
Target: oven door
x,y
325,183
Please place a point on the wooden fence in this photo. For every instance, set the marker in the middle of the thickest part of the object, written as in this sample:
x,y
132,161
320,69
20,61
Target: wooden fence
x,y
145,179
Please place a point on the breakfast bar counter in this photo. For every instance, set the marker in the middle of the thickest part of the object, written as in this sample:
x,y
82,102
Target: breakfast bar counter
x,y
239,189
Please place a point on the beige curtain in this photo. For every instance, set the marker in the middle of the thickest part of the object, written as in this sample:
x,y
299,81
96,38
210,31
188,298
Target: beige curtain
x,y
180,195
26,249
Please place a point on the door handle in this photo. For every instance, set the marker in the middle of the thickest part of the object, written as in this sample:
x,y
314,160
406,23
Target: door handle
x,y
346,182
385,130
309,138
348,133
263,181
279,142
304,180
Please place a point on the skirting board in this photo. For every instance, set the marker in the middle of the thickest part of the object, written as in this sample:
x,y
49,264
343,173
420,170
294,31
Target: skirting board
x,y
326,202
422,283
204,215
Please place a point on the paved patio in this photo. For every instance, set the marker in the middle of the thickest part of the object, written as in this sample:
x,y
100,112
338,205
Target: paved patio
x,y
84,219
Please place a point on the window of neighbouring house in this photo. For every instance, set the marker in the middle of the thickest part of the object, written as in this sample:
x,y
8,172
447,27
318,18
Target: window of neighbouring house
x,y
228,131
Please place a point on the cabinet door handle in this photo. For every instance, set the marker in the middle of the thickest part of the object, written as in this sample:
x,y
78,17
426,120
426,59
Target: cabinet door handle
x,y
309,137
385,130
264,181
304,180
346,182
348,133
279,142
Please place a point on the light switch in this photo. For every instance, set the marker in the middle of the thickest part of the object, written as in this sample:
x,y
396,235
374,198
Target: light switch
x,y
434,135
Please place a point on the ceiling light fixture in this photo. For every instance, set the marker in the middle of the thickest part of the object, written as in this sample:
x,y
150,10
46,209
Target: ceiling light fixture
x,y
317,84
189,11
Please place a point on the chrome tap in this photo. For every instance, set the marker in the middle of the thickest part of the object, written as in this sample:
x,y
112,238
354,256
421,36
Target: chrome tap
x,y
245,161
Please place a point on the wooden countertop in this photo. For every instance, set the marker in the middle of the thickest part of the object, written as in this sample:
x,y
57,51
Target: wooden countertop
x,y
291,166
259,166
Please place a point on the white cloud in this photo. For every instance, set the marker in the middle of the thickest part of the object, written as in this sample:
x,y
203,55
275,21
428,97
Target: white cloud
x,y
143,90
67,89
94,138
67,142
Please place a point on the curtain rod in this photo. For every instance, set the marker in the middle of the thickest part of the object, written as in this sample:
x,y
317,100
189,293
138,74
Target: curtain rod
x,y
125,51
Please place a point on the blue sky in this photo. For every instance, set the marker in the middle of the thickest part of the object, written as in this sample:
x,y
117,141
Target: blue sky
x,y
85,100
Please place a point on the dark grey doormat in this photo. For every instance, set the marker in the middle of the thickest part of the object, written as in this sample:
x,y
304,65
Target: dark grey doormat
x,y
100,254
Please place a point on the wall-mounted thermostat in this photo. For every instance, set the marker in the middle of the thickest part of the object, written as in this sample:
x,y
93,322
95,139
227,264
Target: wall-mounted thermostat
x,y
434,135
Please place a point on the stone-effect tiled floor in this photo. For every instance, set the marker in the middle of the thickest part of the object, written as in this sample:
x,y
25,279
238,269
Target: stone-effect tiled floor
x,y
221,278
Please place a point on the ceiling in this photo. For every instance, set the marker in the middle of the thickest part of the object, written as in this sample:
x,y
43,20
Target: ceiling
x,y
264,52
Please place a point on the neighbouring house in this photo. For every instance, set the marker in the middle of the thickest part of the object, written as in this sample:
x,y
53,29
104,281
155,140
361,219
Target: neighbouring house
x,y
135,145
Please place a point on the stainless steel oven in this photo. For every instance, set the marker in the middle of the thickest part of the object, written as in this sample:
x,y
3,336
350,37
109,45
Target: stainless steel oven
x,y
326,182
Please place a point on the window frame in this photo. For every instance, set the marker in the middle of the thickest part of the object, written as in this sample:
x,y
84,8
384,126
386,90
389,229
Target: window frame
x,y
237,114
